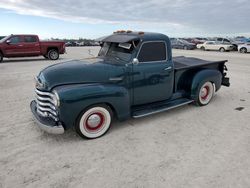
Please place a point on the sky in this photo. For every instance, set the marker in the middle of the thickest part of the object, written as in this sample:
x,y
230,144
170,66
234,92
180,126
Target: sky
x,y
94,18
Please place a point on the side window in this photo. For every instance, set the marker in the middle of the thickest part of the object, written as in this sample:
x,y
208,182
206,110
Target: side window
x,y
153,51
30,39
15,40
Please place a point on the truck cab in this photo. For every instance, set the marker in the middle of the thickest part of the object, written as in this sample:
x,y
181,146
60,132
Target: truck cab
x,y
134,75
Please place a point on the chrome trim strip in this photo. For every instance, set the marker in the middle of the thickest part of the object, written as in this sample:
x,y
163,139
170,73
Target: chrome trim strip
x,y
46,114
44,99
162,110
45,104
43,93
47,109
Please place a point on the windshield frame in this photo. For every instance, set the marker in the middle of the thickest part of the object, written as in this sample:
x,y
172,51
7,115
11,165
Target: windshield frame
x,y
116,54
4,39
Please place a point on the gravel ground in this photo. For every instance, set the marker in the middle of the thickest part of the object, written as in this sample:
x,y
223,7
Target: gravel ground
x,y
186,147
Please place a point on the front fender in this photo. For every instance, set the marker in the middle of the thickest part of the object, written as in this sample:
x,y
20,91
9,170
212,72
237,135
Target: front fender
x,y
76,98
203,76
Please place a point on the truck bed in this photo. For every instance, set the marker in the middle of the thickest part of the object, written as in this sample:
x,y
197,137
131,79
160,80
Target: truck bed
x,y
182,62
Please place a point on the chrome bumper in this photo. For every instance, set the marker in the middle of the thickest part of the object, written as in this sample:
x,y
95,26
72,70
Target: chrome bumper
x,y
46,124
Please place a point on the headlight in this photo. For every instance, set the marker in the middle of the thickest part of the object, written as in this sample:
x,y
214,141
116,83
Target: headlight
x,y
56,99
38,83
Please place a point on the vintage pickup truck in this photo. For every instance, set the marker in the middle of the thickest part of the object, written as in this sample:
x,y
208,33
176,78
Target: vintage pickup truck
x,y
134,75
30,45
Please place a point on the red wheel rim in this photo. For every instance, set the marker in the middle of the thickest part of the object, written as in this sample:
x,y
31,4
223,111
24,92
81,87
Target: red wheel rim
x,y
204,92
94,122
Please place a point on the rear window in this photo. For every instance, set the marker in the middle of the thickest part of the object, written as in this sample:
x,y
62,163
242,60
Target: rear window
x,y
152,51
30,39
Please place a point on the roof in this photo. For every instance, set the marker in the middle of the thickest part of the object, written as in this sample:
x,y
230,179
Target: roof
x,y
122,37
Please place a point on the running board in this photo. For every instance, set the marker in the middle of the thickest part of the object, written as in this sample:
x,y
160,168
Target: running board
x,y
159,107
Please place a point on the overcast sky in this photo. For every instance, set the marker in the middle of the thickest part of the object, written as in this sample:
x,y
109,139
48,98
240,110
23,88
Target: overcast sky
x,y
94,18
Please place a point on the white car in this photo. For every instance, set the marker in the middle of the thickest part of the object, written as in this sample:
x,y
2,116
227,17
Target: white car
x,y
244,48
214,45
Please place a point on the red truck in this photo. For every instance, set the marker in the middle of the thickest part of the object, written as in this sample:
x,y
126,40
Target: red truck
x,y
30,45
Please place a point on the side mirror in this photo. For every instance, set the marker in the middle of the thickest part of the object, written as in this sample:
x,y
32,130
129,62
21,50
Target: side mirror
x,y
8,41
135,61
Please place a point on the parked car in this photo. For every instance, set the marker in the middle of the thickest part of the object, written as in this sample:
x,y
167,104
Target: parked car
x,y
244,48
71,44
30,45
214,45
133,75
182,44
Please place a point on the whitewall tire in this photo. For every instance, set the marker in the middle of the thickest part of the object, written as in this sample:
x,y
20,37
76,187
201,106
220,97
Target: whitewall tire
x,y
205,93
94,122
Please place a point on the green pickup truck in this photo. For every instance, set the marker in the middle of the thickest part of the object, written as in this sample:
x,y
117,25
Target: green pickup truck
x,y
134,75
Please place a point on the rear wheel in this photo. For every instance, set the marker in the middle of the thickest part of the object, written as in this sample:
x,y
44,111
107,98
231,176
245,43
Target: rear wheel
x,y
222,49
53,54
1,57
185,48
205,93
243,50
94,122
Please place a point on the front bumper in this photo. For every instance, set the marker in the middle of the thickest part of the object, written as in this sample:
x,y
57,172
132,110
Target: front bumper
x,y
45,123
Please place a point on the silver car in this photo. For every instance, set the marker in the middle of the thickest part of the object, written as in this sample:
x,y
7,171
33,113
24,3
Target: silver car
x,y
215,45
244,48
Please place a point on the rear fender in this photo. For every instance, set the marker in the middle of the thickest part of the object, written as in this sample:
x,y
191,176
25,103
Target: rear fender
x,y
74,99
203,76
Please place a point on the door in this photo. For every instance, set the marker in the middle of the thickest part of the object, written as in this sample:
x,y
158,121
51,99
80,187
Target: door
x,y
14,47
31,45
153,76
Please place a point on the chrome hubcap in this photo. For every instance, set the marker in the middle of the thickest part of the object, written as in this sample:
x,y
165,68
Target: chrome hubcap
x,y
94,120
54,55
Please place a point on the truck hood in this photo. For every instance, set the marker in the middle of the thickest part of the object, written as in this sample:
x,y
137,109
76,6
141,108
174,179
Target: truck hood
x,y
78,72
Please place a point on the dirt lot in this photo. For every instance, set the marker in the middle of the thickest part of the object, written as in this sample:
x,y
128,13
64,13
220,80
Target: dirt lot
x,y
185,147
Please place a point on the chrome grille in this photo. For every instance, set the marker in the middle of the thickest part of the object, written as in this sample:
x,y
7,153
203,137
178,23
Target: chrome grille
x,y
45,105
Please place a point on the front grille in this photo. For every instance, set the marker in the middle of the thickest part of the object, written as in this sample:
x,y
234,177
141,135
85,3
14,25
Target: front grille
x,y
45,105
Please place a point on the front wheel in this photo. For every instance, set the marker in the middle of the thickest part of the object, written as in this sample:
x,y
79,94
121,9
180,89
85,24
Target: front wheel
x,y
222,49
94,122
53,54
205,94
243,50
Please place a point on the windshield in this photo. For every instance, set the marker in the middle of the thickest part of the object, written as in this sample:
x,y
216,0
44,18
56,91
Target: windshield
x,y
3,39
120,51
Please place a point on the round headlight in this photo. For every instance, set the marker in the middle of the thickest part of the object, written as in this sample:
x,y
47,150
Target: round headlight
x,y
56,99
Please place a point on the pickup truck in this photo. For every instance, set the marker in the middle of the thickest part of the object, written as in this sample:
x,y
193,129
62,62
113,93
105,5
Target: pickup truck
x,y
134,75
30,45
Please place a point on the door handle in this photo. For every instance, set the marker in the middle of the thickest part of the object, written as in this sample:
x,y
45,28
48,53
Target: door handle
x,y
168,68
20,45
116,78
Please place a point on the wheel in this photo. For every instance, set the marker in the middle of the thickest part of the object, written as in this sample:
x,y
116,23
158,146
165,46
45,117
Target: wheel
x,y
203,48
243,50
185,48
94,122
53,54
222,49
1,57
46,57
204,94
